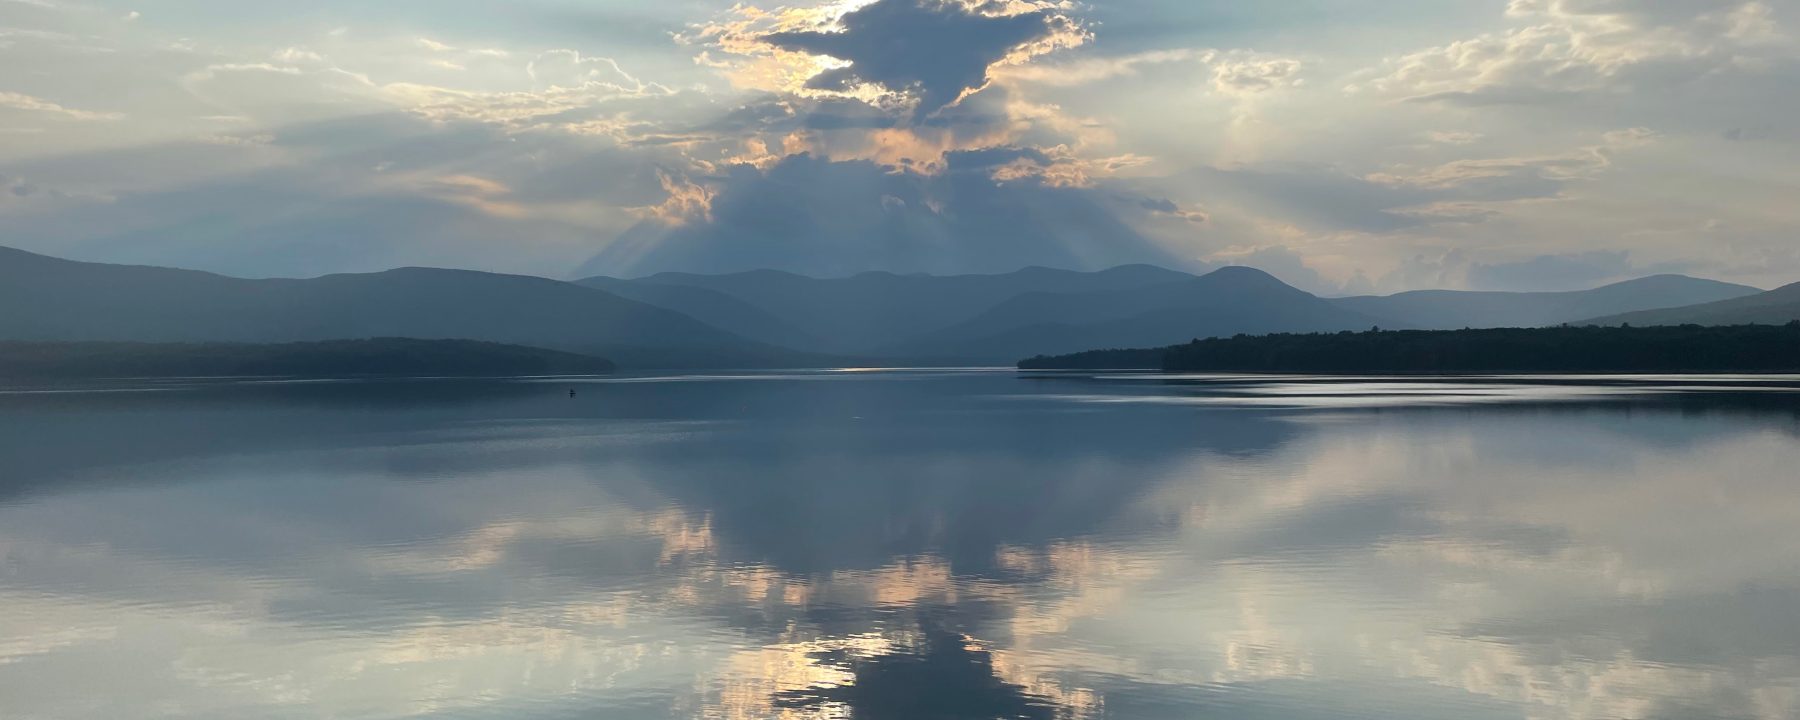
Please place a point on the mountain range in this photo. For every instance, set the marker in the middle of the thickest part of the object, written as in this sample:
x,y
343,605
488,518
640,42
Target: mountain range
x,y
988,319
769,318
1775,307
1226,302
1454,310
374,357
48,299
867,314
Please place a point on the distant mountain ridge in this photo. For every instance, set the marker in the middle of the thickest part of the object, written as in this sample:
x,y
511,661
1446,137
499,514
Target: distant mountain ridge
x,y
993,318
1453,309
862,314
1775,307
48,299
712,307
323,359
769,318
1224,302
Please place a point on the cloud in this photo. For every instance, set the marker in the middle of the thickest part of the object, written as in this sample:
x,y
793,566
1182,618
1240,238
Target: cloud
x,y
297,55
1577,271
17,193
351,194
935,52
1488,137
1249,77
1574,47
1158,205
1453,137
1515,178
1167,207
1549,272
686,201
21,101
473,191
811,215
840,128
1095,69
238,140
272,93
1314,197
569,69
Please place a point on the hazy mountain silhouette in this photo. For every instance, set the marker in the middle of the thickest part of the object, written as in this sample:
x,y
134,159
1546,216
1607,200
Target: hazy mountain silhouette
x,y
1225,302
866,312
1775,307
712,307
329,358
766,317
48,299
1451,309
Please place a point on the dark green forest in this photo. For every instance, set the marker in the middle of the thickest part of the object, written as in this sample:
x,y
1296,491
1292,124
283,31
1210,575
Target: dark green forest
x,y
338,358
1684,348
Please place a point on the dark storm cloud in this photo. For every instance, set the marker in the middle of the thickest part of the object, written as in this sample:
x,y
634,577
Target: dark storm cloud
x,y
934,50
813,216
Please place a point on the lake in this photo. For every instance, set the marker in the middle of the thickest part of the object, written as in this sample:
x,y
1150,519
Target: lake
x,y
903,544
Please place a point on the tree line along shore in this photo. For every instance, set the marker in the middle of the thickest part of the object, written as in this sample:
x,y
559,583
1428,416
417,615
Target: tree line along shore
x,y
1568,349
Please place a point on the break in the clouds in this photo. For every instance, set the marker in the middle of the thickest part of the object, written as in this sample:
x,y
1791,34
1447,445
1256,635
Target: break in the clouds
x,y
1347,147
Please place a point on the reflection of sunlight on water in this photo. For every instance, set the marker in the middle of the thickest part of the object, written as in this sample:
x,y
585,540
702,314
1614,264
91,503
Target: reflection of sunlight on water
x,y
1351,393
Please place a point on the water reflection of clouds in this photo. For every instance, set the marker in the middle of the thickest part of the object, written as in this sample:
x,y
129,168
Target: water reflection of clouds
x,y
1550,563
1401,605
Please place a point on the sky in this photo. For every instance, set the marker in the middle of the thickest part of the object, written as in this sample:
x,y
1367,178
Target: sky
x,y
1346,146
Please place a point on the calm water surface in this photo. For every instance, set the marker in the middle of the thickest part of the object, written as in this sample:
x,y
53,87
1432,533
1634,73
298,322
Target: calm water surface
x,y
903,545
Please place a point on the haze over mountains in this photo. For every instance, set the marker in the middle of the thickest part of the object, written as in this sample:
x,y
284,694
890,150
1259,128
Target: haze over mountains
x,y
868,313
770,318
47,299
328,358
986,319
1775,307
1454,310
1226,302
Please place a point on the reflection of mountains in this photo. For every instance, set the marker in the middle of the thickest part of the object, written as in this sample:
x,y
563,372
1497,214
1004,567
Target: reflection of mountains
x,y
52,437
846,473
811,472
826,497
849,538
